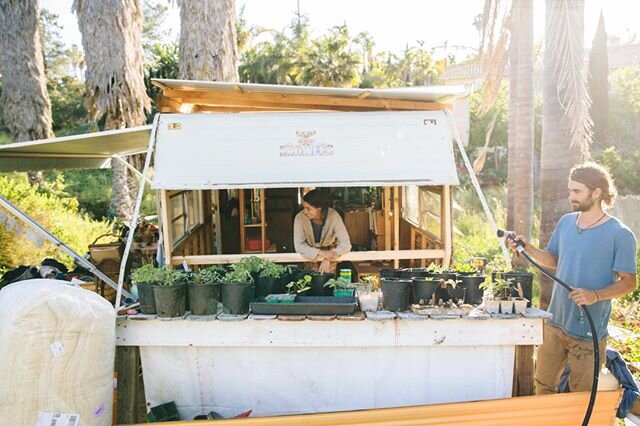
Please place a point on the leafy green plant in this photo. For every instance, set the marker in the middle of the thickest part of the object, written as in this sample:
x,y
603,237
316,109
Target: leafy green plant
x,y
370,279
147,274
212,274
451,282
250,264
237,275
465,268
301,285
498,287
435,269
272,270
339,283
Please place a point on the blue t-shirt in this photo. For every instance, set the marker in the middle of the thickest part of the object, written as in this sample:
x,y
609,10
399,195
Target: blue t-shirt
x,y
588,260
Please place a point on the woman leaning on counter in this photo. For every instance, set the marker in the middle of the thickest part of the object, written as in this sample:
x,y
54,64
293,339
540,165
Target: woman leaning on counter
x,y
319,233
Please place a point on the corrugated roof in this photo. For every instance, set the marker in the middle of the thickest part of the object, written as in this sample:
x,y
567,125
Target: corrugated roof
x,y
86,151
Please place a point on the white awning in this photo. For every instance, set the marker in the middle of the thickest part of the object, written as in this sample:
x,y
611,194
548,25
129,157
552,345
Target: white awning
x,y
206,151
87,151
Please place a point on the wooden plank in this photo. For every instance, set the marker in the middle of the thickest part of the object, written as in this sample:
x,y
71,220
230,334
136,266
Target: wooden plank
x,y
241,214
252,99
166,226
295,257
549,410
523,370
396,225
128,392
387,217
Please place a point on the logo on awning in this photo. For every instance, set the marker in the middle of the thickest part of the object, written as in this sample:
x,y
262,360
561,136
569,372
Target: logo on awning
x,y
306,146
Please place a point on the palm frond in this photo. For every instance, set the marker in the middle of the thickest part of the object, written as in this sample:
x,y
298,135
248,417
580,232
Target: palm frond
x,y
568,59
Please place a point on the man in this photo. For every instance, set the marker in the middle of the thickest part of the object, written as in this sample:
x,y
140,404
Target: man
x,y
595,253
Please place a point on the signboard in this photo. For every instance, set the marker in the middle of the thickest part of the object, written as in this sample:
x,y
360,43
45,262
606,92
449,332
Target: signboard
x,y
269,150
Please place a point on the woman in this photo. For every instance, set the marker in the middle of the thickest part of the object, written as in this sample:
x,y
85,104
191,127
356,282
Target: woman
x,y
319,233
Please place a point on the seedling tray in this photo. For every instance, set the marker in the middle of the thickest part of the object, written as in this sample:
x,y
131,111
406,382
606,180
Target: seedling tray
x,y
308,305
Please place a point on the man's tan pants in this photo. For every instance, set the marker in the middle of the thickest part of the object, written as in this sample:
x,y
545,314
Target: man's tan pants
x,y
558,349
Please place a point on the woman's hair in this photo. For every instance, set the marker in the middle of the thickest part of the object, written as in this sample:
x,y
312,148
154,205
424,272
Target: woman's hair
x,y
317,199
595,176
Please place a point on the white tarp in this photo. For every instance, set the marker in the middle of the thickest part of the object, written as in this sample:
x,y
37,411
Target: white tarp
x,y
205,151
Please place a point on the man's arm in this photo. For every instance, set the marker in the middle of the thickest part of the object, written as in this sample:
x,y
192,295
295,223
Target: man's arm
x,y
626,284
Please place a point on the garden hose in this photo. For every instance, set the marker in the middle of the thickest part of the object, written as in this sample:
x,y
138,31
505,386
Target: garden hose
x,y
510,235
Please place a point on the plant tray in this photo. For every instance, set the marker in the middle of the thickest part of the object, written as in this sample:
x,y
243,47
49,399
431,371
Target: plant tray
x,y
308,305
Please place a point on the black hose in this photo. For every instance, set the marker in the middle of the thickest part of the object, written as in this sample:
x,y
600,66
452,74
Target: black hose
x,y
596,350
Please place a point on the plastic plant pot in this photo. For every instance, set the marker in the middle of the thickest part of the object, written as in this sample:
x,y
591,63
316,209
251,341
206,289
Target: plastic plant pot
x,y
396,294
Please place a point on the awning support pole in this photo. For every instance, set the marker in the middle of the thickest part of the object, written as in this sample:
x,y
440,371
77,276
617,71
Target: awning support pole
x,y
476,185
59,244
136,211
132,169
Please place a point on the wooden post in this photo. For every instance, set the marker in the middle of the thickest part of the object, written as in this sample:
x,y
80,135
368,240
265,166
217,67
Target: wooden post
x,y
129,392
387,218
263,220
241,214
166,225
445,224
523,371
396,225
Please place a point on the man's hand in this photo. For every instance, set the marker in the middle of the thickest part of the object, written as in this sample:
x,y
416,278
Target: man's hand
x,y
325,266
583,297
328,255
512,244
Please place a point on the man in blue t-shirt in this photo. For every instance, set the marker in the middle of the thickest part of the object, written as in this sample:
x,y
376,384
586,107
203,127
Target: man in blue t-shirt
x,y
595,253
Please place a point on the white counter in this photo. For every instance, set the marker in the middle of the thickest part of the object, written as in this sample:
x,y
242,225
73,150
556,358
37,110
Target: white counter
x,y
277,367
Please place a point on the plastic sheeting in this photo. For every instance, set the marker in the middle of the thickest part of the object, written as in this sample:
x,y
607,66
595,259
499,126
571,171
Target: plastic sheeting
x,y
57,353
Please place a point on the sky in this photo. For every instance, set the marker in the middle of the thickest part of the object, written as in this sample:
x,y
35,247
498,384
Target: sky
x,y
393,24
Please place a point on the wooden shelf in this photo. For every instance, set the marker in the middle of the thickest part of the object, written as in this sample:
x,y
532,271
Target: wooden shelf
x,y
271,249
262,225
253,225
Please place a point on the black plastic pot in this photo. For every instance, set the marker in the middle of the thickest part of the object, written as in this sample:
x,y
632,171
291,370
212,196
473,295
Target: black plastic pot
x,y
471,284
524,278
171,300
146,298
457,293
390,273
423,288
265,286
396,294
414,272
236,298
203,298
317,285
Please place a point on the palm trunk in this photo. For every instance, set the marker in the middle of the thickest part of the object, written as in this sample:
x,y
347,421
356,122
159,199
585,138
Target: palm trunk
x,y
558,155
208,46
521,119
27,109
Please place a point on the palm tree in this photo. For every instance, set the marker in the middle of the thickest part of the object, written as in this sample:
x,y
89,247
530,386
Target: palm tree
x,y
566,126
27,109
208,46
114,78
521,121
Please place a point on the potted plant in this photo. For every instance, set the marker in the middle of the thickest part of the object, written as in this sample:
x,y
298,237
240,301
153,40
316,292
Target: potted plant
x,y
269,279
455,290
499,290
317,284
396,294
171,293
423,289
236,287
341,287
470,280
146,278
204,290
253,265
300,286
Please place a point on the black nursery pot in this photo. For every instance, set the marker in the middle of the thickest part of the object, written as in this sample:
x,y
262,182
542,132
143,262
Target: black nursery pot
x,y
236,298
423,288
524,278
317,285
266,286
203,298
396,294
414,272
146,298
471,285
171,300
390,273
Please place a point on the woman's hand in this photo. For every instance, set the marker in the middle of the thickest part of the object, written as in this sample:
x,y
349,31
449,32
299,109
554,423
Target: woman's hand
x,y
325,266
328,255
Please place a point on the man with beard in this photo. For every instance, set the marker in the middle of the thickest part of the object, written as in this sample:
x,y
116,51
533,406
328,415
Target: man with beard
x,y
596,254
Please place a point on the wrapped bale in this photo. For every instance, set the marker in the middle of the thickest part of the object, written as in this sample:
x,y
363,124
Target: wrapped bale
x,y
57,353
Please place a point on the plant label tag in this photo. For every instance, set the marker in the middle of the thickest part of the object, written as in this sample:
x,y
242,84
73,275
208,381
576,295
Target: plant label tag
x,y
57,419
57,349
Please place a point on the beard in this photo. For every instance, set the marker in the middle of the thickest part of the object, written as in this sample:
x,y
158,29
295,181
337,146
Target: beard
x,y
582,206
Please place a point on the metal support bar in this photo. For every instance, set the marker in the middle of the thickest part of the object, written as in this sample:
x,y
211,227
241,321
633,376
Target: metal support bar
x,y
136,211
53,239
132,169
